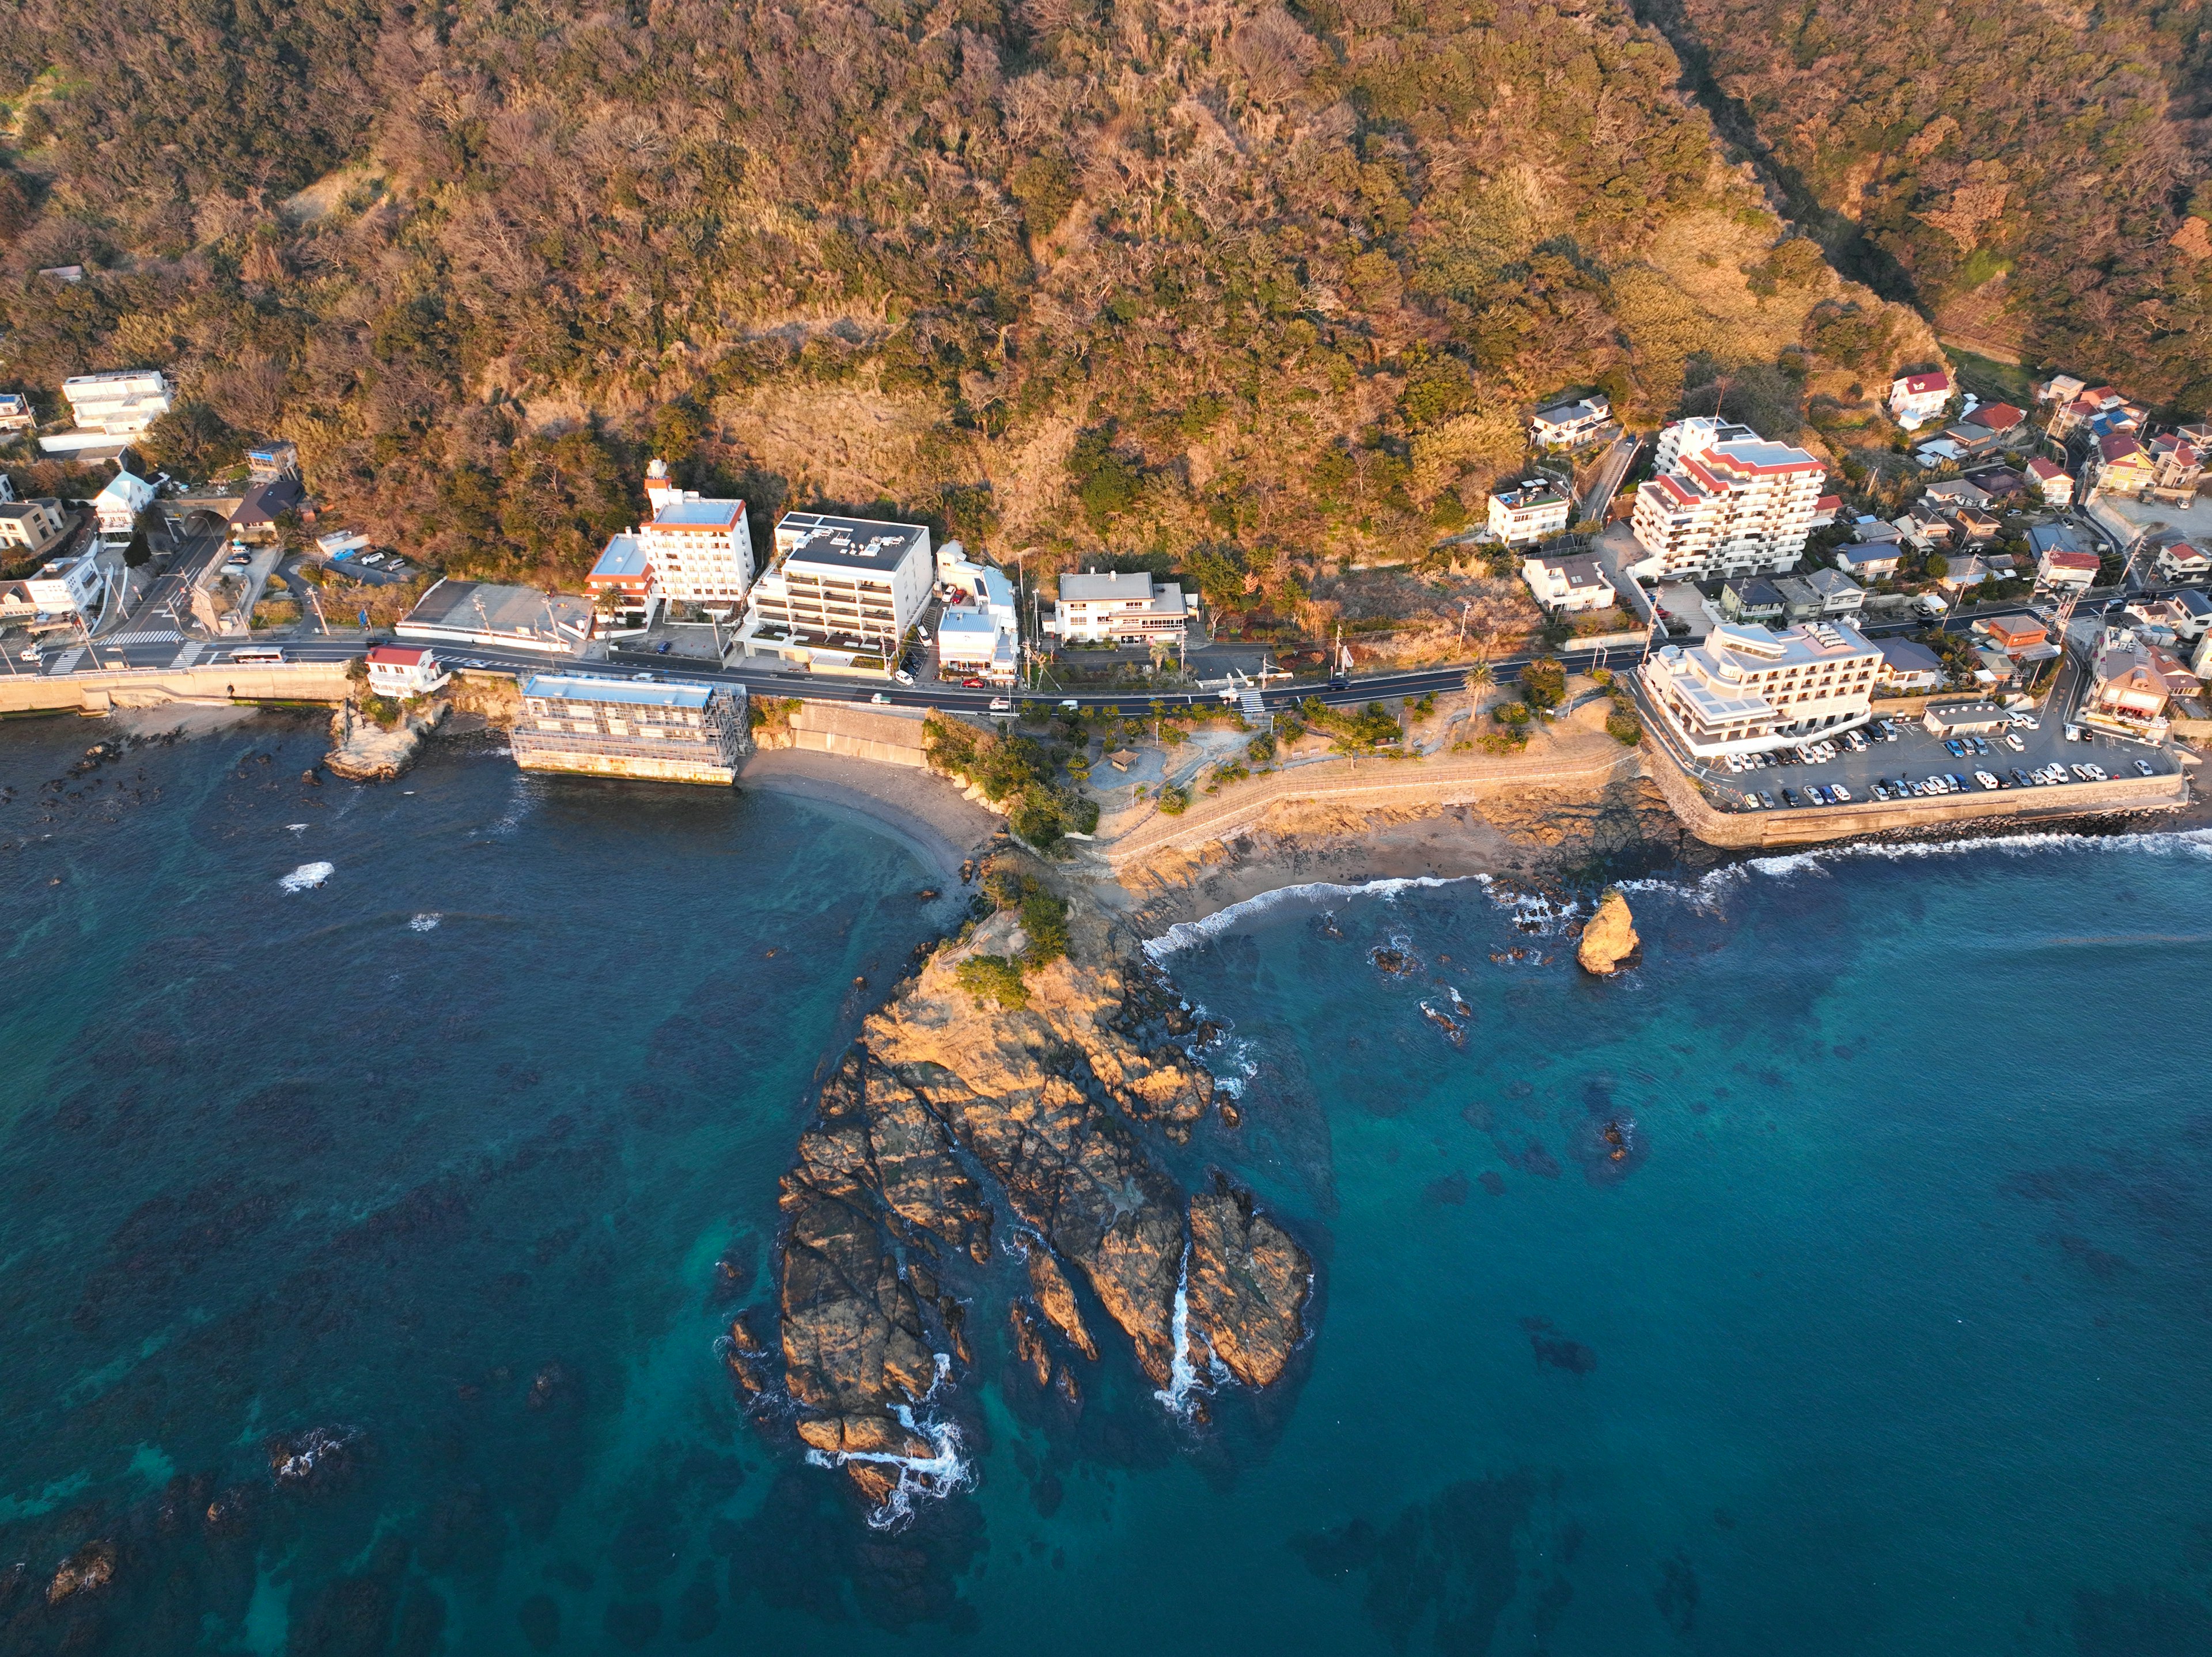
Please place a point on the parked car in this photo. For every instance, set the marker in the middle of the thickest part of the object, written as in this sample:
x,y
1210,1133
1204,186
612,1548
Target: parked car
x,y
1840,793
1986,780
901,676
2144,767
971,684
2014,743
661,649
1766,799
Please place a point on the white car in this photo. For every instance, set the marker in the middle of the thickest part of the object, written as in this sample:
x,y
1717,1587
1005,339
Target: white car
x,y
1986,781
901,676
1000,705
881,699
1840,793
2014,743
1071,704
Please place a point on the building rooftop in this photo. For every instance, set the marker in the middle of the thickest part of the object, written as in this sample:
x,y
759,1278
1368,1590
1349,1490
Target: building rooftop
x,y
698,515
847,543
1908,656
632,693
622,559
264,502
1831,583
484,607
1755,592
2054,538
965,618
1921,384
1093,585
2043,470
399,655
1534,492
1578,407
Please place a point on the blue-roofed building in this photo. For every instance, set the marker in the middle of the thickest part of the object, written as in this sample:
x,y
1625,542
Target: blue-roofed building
x,y
664,730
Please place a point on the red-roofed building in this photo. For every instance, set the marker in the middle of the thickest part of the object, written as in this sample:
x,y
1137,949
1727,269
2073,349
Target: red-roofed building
x,y
1916,398
2052,481
1726,502
403,671
2123,467
1825,510
2061,568
1997,416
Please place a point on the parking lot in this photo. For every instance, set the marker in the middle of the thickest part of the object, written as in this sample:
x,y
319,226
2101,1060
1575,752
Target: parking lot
x,y
1903,749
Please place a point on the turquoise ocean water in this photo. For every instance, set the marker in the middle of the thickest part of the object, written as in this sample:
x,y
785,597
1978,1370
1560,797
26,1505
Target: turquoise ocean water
x,y
1891,1329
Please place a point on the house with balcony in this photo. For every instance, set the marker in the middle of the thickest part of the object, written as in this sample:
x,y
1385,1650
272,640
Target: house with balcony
x,y
2122,466
622,582
1564,425
403,671
1567,586
1908,668
2052,481
1916,399
1726,502
118,505
2176,557
1127,607
2128,694
31,529
1751,599
1529,512
842,593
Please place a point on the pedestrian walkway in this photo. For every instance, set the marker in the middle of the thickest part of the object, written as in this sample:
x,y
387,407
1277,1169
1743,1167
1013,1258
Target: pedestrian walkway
x,y
67,660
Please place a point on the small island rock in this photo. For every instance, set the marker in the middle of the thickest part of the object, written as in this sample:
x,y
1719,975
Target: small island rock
x,y
1610,939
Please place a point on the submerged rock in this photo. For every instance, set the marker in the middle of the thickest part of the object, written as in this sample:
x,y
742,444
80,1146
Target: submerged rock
x,y
314,1458
1247,1286
1609,938
90,1568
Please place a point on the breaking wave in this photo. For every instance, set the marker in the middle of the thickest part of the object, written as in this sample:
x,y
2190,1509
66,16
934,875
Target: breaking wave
x,y
1183,1375
1187,934
306,877
424,923
2176,842
930,1478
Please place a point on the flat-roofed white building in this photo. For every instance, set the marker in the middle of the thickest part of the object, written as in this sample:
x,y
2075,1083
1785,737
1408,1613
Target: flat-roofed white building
x,y
1529,511
15,414
842,592
665,732
701,551
1570,423
28,528
67,587
1125,607
1746,689
1727,502
1567,586
119,404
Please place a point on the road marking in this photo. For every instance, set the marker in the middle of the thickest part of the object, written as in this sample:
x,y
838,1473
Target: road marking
x,y
155,636
67,659
189,654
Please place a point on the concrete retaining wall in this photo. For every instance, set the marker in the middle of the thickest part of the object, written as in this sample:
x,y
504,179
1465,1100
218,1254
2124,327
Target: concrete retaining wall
x,y
858,733
1809,825
97,693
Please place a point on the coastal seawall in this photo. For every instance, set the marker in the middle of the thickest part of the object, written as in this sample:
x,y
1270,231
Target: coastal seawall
x,y
225,682
1809,825
856,733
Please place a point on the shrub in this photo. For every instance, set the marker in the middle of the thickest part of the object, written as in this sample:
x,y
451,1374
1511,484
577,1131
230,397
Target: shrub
x,y
994,978
1173,800
382,711
1543,684
1623,727
1044,919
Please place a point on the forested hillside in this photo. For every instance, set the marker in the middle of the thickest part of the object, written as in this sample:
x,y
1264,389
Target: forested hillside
x,y
2033,175
1247,287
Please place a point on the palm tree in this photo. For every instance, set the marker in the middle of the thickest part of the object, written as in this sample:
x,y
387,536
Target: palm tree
x,y
1478,676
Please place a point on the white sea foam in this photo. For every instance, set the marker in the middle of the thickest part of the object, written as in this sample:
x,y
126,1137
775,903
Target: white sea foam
x,y
933,1477
296,828
1182,1377
1238,1064
1185,934
424,923
2181,842
307,875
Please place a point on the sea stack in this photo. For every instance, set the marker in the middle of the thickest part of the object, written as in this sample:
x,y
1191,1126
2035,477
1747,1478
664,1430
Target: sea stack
x,y
1610,937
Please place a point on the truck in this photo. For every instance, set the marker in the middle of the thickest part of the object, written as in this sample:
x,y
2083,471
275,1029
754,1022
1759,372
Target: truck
x,y
1932,605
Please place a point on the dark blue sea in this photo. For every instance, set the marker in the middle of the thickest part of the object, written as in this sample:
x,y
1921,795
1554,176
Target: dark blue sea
x,y
1888,1330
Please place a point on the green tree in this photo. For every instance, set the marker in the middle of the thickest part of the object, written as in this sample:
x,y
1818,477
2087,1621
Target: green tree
x,y
192,441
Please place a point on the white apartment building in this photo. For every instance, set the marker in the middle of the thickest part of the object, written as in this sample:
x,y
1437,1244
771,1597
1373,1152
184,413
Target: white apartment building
x,y
1726,502
1567,586
64,587
1746,689
120,404
119,504
1529,511
842,592
1129,607
694,551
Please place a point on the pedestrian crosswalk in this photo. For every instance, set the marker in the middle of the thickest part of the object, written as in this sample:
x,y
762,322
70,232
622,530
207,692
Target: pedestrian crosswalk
x,y
152,636
189,654
67,660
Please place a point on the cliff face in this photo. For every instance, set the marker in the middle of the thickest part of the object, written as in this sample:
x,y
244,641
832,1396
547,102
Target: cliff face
x,y
1050,1104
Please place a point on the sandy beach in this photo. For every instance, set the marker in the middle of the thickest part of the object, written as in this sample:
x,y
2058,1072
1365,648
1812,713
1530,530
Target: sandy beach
x,y
926,812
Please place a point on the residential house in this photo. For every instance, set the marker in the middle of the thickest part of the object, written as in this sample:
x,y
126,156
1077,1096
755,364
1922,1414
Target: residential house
x,y
1839,594
1567,586
1876,562
1998,419
1955,492
2052,481
1746,689
1130,608
1529,512
15,414
1872,532
2176,466
2060,568
1908,667
2128,693
2177,558
403,671
1939,453
663,732
2182,686
116,506
1751,599
1914,399
1964,570
2059,388
1976,524
1826,510
1926,527
254,523
971,643
272,461
1726,501
1800,602
2000,484
1564,424
841,594
1970,439
2122,466
2016,634
2192,614
30,529
2180,620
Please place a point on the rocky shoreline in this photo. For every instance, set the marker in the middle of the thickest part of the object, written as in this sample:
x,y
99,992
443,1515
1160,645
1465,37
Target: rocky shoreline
x,y
949,1120
363,751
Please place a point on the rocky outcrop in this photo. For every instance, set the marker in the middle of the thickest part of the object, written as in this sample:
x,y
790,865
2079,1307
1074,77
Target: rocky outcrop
x,y
1048,1103
363,751
1248,1285
1056,1298
90,1568
1609,938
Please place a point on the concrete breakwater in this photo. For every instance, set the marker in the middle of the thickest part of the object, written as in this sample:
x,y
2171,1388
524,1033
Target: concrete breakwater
x,y
1809,825
97,693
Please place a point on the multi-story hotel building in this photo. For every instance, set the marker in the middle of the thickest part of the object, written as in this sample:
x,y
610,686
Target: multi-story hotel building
x,y
1727,502
842,592
1746,689
666,731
